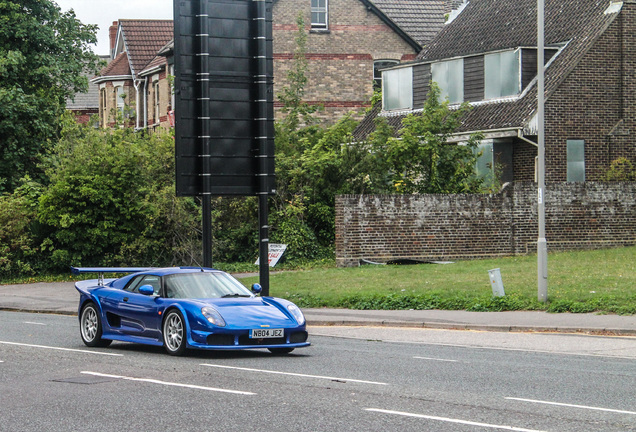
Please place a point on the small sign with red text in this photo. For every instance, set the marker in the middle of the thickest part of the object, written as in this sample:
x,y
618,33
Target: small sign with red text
x,y
276,251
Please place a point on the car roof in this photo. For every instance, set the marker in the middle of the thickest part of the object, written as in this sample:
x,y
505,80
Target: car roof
x,y
162,271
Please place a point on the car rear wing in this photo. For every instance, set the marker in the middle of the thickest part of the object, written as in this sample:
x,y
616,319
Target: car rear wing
x,y
101,270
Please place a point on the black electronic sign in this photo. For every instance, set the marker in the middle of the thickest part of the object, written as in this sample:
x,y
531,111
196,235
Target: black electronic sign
x,y
224,111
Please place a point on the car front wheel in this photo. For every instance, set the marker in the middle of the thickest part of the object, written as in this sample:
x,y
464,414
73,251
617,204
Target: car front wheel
x,y
91,327
174,337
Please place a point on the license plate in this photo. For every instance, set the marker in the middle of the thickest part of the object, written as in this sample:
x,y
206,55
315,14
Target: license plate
x,y
266,333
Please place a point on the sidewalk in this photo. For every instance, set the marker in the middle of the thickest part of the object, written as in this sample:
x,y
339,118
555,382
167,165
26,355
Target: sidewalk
x,y
62,298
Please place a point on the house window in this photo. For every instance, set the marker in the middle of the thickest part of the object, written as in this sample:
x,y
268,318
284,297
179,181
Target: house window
x,y
377,75
576,160
120,99
155,91
104,107
397,89
502,74
319,14
449,76
485,161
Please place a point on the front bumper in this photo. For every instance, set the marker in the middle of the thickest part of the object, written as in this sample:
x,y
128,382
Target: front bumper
x,y
236,340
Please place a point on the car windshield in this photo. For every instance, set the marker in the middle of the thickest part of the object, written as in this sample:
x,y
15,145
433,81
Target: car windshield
x,y
204,285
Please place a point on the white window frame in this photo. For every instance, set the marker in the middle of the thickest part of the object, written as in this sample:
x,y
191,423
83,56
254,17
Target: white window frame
x,y
493,68
320,11
120,102
449,76
156,100
397,89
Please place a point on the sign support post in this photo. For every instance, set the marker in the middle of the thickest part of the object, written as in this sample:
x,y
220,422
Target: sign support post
x,y
224,113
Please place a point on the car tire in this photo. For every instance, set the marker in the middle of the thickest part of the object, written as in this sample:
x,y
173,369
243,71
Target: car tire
x,y
280,351
174,333
91,327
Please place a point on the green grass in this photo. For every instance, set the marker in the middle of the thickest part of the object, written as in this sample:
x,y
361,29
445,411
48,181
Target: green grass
x,y
590,281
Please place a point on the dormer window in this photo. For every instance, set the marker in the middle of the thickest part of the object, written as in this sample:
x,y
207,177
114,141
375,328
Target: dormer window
x,y
397,89
502,74
449,76
319,14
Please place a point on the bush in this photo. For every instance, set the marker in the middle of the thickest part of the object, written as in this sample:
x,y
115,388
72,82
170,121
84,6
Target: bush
x,y
111,201
18,244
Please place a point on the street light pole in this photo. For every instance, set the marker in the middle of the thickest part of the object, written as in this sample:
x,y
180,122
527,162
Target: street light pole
x,y
542,246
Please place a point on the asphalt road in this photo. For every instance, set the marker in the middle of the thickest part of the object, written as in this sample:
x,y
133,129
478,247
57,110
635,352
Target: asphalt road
x,y
353,379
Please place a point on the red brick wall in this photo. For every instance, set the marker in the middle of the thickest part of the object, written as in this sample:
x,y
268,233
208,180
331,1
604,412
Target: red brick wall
x,y
340,62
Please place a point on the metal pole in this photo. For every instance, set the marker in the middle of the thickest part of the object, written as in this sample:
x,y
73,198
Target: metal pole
x,y
207,230
203,78
542,247
263,80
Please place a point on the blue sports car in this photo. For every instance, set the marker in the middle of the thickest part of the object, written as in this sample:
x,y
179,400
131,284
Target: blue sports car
x,y
182,308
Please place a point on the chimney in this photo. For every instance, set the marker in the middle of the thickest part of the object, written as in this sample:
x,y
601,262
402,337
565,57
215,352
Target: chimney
x,y
113,37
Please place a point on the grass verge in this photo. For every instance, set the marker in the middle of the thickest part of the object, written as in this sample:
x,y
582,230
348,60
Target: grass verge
x,y
587,281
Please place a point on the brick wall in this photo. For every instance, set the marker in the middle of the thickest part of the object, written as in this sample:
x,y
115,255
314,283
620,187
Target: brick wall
x,y
340,61
454,227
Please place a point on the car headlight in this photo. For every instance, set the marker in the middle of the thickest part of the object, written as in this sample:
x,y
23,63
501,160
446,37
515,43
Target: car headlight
x,y
298,315
213,316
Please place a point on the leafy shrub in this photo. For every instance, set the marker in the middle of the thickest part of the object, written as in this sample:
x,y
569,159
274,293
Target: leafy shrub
x,y
111,201
18,244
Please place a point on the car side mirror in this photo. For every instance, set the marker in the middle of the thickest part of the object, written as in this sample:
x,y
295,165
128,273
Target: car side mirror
x,y
257,288
147,290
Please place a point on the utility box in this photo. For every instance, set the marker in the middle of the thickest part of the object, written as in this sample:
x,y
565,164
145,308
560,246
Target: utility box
x,y
496,282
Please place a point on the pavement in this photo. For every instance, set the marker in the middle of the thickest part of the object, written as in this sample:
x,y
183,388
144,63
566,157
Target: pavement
x,y
62,298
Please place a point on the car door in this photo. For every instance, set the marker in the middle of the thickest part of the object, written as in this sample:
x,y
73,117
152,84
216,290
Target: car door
x,y
136,314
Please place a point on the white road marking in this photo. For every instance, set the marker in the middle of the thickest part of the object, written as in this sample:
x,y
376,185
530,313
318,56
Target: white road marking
x,y
573,406
61,349
436,359
34,323
450,420
294,374
166,383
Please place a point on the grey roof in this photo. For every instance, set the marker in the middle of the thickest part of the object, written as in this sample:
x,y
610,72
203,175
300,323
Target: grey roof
x,y
89,100
489,25
420,19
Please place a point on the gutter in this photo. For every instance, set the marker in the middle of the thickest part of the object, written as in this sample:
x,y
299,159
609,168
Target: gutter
x,y
101,79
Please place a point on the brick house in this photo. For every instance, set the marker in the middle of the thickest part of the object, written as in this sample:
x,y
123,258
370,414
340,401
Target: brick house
x,y
134,84
347,42
487,56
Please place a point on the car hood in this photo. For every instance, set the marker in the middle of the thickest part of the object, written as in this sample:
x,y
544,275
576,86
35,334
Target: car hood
x,y
252,312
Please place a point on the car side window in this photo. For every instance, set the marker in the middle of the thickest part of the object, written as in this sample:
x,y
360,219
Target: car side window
x,y
154,281
134,284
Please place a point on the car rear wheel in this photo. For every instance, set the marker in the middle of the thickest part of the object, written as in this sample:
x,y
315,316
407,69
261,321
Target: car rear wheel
x,y
280,351
174,337
91,327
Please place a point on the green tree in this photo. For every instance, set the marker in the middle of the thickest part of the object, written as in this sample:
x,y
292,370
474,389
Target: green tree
x,y
421,161
111,201
43,53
